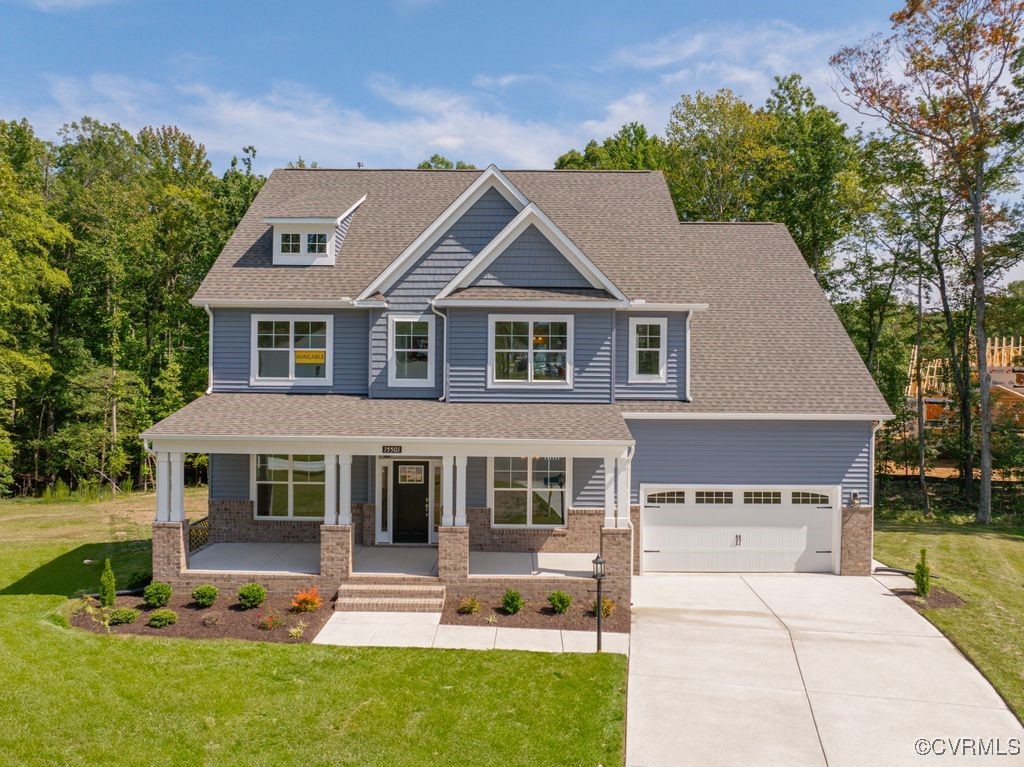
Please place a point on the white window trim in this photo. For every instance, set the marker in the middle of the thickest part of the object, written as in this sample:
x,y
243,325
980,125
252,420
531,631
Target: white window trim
x,y
529,494
419,383
662,376
304,257
291,488
493,319
291,381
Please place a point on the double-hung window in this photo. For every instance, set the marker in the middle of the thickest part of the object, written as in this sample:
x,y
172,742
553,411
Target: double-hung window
x,y
531,351
289,486
529,491
411,350
647,349
291,350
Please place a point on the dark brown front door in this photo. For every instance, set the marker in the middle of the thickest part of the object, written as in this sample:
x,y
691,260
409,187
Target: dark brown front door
x,y
411,493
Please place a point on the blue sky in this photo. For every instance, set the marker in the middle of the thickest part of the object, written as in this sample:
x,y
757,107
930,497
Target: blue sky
x,y
388,82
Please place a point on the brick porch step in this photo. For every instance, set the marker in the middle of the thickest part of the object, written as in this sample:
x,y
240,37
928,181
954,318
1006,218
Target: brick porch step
x,y
398,597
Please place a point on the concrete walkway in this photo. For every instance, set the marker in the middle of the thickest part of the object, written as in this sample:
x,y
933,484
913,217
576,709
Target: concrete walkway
x,y
795,670
382,629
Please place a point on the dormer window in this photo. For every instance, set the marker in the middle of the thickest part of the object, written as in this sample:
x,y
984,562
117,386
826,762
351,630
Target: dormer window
x,y
316,243
309,240
290,242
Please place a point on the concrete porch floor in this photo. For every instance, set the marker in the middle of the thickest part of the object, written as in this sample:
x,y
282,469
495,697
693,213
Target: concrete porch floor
x,y
258,557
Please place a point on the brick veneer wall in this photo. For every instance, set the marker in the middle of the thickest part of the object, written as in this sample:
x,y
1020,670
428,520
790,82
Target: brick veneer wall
x,y
858,529
364,524
582,534
336,552
453,554
617,551
233,522
170,550
634,519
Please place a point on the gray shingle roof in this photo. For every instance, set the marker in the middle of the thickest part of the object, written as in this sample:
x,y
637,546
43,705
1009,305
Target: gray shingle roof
x,y
234,415
529,294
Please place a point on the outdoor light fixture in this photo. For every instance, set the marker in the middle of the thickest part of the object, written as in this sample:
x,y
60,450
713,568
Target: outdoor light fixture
x,y
599,607
855,499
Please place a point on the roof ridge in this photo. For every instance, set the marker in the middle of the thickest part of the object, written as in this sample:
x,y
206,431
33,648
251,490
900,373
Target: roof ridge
x,y
472,170
730,223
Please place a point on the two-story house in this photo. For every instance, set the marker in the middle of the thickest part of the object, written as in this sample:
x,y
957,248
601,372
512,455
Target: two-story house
x,y
410,369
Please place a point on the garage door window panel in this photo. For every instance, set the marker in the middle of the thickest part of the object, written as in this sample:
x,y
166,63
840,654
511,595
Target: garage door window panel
x,y
762,497
713,497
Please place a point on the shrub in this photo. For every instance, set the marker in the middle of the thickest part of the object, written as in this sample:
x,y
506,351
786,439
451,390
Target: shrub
x,y
157,594
607,607
512,602
491,619
468,606
559,601
162,618
307,601
211,620
108,585
204,595
251,595
122,615
922,576
296,631
268,621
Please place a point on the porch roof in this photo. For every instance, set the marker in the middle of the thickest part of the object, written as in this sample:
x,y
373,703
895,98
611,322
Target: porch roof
x,y
336,416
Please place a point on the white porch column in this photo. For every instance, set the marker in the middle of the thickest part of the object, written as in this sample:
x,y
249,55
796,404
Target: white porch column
x,y
609,492
177,467
345,489
622,481
460,491
330,489
447,507
163,487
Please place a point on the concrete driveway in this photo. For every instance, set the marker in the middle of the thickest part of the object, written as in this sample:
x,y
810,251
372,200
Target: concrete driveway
x,y
796,670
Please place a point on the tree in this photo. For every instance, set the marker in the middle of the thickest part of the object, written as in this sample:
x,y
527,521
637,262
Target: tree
x,y
950,93
440,162
630,148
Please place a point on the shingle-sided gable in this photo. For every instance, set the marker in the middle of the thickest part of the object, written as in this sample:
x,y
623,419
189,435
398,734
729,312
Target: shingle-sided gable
x,y
531,261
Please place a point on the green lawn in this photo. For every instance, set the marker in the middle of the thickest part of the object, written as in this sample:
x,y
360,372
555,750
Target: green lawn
x,y
73,698
983,566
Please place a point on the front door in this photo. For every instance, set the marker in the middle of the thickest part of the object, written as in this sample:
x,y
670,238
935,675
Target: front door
x,y
411,493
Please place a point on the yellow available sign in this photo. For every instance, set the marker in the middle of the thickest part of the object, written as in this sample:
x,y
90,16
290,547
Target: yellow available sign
x,y
310,356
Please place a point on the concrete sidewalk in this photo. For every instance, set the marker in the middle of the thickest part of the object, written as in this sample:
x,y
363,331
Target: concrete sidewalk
x,y
795,670
382,629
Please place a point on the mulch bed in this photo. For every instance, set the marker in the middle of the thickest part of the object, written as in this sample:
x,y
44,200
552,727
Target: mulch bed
x,y
937,598
537,616
232,621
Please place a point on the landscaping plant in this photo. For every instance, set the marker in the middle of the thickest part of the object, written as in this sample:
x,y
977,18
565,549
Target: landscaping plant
x,y
108,585
204,595
922,576
512,602
307,601
122,615
211,620
268,621
251,595
296,631
607,607
162,618
560,601
157,594
468,606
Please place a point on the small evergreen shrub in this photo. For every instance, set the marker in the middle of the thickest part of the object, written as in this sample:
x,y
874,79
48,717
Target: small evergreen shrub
x,y
162,618
204,595
560,601
251,595
122,615
307,601
607,607
512,602
108,585
269,621
157,594
922,576
468,606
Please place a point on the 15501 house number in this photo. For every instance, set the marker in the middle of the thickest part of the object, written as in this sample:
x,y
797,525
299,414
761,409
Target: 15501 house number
x,y
391,449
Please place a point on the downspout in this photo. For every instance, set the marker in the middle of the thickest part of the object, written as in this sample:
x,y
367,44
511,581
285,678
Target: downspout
x,y
615,354
209,351
444,361
686,394
369,354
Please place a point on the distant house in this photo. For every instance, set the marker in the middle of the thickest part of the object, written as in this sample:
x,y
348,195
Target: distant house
x,y
412,372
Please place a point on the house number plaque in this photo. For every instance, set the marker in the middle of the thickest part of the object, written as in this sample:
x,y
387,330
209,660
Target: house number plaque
x,y
391,449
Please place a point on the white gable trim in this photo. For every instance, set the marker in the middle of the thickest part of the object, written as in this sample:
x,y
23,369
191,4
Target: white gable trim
x,y
491,178
531,215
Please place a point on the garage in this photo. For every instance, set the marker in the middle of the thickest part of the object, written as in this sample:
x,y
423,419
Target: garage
x,y
739,528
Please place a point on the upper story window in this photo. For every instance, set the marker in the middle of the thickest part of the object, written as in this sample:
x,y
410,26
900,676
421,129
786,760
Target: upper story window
x,y
410,351
316,243
290,350
647,349
529,491
290,242
530,351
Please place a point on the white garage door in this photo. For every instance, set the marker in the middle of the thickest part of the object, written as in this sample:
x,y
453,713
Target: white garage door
x,y
716,528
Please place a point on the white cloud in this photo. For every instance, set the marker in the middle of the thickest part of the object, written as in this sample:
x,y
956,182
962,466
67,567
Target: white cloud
x,y
497,82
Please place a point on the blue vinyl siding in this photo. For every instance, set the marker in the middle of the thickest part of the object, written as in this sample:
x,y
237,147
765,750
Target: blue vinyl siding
x,y
467,336
229,477
531,261
675,366
751,452
412,293
588,483
476,481
232,329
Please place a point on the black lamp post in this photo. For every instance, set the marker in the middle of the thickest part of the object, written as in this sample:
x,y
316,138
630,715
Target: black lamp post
x,y
599,577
